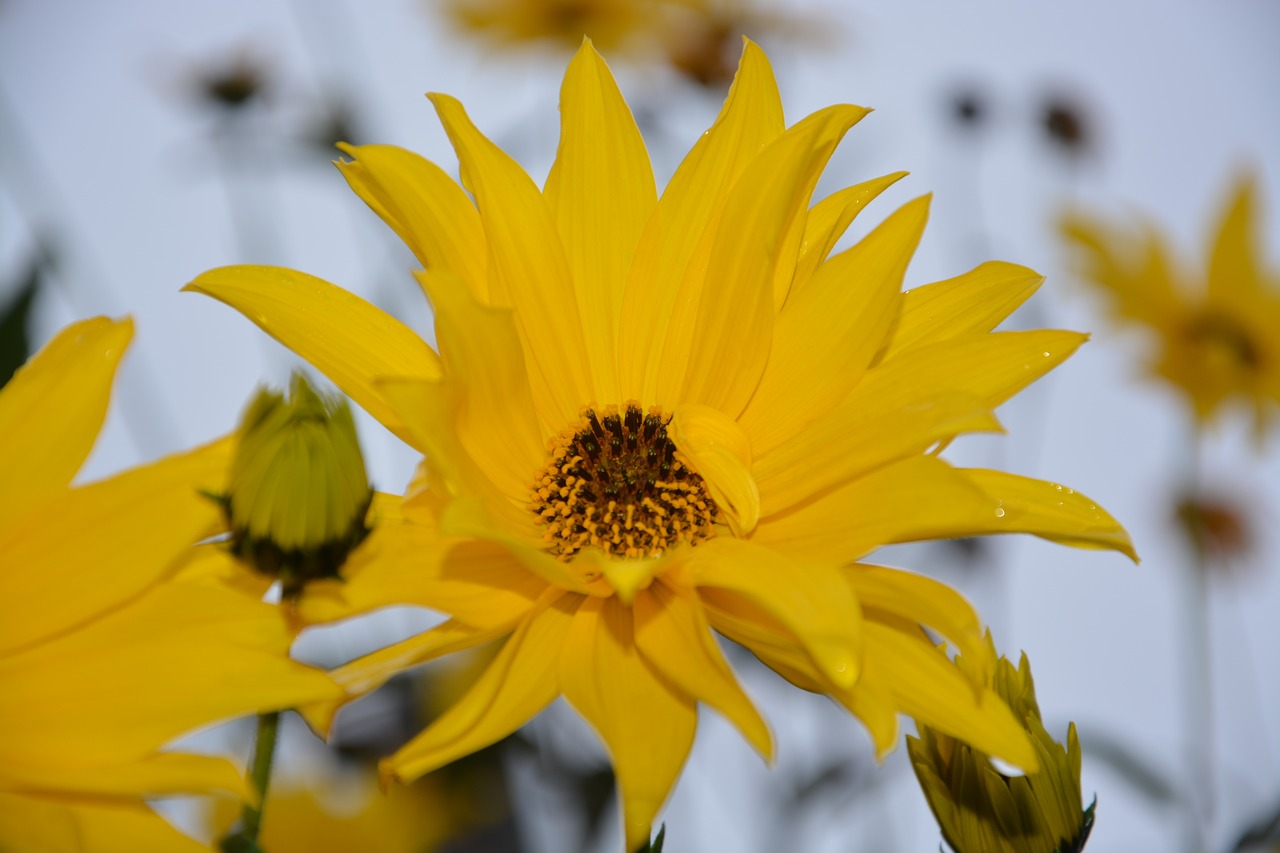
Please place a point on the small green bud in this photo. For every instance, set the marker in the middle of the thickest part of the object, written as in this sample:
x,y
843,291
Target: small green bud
x,y
980,809
298,494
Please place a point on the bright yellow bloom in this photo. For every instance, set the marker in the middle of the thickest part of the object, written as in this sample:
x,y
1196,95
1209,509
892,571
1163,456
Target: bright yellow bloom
x,y
1218,341
654,417
982,811
103,662
297,493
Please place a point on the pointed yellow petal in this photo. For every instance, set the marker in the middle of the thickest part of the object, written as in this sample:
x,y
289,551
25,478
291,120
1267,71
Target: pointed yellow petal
x,y
1049,510
430,413
646,723
483,359
693,200
182,656
918,599
853,440
65,825
519,683
1138,278
528,270
720,452
811,600
672,633
829,219
928,686
369,672
925,498
828,333
718,340
1234,256
992,367
874,706
477,583
601,193
52,409
972,303
344,337
423,205
98,546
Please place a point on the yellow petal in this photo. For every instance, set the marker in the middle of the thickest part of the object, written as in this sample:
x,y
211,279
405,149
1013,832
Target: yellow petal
x,y
528,270
854,439
477,583
601,193
1234,256
829,219
182,656
917,498
927,686
1049,510
811,600
496,421
925,498
693,200
423,205
646,723
51,411
992,367
720,452
672,633
968,304
519,683
828,333
153,775
344,337
369,672
430,412
1141,284
98,546
62,825
718,340
918,599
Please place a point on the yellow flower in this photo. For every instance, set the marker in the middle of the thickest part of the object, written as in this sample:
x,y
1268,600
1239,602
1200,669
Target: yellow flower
x,y
1218,341
346,811
655,417
102,661
981,810
297,493
611,23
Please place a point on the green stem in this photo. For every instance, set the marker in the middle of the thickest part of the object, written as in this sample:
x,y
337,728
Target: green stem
x,y
264,748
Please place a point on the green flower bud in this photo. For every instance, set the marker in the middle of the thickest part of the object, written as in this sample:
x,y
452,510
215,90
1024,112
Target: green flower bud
x,y
979,809
298,494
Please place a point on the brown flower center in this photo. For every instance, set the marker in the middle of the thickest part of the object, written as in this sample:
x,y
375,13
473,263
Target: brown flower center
x,y
615,481
1220,333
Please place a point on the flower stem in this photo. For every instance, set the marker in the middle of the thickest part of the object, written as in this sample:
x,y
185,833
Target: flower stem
x,y
264,748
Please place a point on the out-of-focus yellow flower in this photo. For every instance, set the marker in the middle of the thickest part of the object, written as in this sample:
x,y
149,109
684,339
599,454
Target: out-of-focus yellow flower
x,y
981,810
655,417
297,494
701,37
345,811
614,24
102,660
1217,341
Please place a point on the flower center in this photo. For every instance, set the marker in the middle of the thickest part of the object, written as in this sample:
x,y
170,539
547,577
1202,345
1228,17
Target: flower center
x,y
1224,336
615,481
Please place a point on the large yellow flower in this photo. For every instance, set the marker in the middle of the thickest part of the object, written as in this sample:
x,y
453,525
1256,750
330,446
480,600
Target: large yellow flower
x,y
102,661
1218,341
655,417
